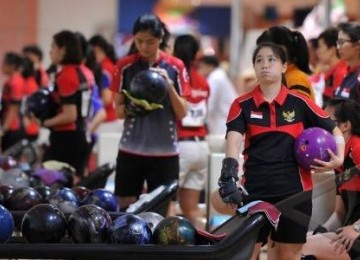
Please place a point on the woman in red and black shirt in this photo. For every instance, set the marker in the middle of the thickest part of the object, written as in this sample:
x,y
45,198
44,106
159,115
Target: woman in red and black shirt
x,y
67,137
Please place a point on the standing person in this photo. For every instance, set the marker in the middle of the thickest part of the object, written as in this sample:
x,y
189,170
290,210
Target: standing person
x,y
348,44
194,149
148,148
31,126
270,118
222,93
35,54
328,56
72,91
339,226
12,94
298,70
104,55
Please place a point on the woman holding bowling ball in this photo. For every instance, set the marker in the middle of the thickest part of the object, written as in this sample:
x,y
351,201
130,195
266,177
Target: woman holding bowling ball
x,y
269,119
338,237
148,149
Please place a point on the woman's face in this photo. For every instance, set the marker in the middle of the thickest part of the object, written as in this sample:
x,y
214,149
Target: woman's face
x,y
56,53
147,44
268,68
347,49
325,53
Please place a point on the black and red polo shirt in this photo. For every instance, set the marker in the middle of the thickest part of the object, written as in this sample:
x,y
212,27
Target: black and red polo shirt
x,y
12,94
270,130
70,90
350,85
193,124
351,159
154,134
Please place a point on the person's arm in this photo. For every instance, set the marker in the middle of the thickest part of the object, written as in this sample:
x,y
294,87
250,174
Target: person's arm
x,y
120,105
99,117
178,103
106,96
67,115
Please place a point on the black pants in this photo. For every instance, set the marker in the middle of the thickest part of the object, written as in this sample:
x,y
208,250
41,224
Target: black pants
x,y
69,147
10,138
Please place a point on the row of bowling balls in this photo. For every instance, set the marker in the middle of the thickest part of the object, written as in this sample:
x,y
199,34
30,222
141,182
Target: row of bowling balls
x,y
66,199
45,223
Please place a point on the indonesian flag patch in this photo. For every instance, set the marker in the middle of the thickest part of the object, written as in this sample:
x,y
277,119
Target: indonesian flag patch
x,y
256,114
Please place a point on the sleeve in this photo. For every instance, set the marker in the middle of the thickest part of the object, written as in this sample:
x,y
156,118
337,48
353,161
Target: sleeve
x,y
355,154
96,102
105,80
235,120
67,83
117,77
317,117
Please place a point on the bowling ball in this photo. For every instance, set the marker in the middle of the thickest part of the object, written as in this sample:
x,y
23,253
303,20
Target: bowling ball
x,y
104,199
89,224
174,231
151,218
313,143
41,104
81,191
5,192
65,199
14,177
130,229
6,224
23,199
45,192
149,85
43,223
7,162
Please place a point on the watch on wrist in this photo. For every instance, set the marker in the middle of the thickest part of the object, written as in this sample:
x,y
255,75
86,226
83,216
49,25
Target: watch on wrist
x,y
356,226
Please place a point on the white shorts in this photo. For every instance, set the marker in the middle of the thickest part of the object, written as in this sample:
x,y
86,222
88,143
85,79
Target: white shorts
x,y
194,156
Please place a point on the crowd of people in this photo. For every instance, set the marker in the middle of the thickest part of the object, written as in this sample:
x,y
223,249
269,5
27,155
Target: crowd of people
x,y
90,87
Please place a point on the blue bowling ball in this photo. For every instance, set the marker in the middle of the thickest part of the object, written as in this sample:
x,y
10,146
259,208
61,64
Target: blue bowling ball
x,y
65,199
6,224
104,199
130,229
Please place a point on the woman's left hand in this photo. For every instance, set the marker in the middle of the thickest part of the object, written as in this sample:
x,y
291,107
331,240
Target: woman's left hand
x,y
164,74
345,238
323,166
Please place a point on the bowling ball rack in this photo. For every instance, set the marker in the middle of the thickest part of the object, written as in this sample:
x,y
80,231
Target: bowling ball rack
x,y
241,237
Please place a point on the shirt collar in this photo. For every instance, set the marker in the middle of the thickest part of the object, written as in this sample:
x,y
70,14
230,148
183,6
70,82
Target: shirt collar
x,y
280,98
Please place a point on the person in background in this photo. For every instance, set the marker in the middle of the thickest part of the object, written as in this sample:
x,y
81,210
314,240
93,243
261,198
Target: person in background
x,y
11,125
97,112
194,149
298,70
335,69
148,149
270,118
105,58
72,93
222,93
348,44
31,126
35,54
335,238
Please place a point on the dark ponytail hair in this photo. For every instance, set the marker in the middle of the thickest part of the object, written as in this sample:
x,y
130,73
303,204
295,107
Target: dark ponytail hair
x,y
185,48
152,24
69,40
102,43
347,110
294,42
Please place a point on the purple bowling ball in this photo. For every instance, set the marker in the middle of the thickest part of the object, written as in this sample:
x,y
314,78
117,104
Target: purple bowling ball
x,y
313,143
104,199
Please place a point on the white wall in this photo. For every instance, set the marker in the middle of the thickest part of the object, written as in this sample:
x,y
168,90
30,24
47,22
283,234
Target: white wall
x,y
86,16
